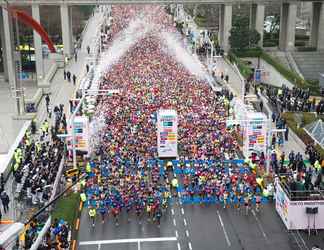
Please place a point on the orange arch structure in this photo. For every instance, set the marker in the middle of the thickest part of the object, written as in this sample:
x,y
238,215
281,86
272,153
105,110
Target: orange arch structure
x,y
29,21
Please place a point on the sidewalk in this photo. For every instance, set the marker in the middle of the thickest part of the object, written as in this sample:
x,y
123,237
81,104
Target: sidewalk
x,y
235,84
60,93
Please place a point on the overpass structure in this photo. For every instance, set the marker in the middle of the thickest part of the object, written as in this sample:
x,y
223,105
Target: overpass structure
x,y
286,37
105,2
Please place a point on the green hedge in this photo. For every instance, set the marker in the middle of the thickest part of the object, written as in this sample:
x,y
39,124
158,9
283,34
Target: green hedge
x,y
66,208
305,49
200,21
291,76
244,68
302,37
300,43
270,43
255,52
307,118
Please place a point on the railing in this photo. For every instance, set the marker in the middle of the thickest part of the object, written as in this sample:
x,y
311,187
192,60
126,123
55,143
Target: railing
x,y
302,195
292,63
6,168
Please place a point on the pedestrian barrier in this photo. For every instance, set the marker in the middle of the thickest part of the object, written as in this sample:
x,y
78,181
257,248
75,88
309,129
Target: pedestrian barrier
x,y
6,167
34,101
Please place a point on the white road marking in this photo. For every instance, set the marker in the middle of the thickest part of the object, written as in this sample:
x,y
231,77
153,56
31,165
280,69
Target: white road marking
x,y
99,246
103,242
190,246
302,239
182,210
260,225
185,222
179,248
179,195
174,222
172,211
297,240
187,233
176,233
224,230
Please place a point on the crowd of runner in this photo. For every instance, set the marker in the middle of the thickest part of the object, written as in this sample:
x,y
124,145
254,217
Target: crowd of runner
x,y
125,176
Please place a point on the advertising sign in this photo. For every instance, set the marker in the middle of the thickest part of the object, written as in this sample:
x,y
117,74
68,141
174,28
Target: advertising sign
x,y
257,75
298,219
293,213
167,133
282,204
255,133
81,131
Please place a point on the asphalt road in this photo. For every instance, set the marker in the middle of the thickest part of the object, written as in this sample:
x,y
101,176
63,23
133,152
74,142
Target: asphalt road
x,y
198,227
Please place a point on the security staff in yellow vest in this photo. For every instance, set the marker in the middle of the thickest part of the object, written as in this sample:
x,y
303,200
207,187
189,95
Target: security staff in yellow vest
x,y
253,167
259,180
82,184
38,147
317,166
88,168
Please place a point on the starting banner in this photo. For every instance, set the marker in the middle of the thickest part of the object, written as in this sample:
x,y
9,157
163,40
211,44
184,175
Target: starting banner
x,y
167,133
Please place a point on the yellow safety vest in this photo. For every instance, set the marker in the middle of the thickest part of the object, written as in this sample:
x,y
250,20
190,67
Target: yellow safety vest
x,y
317,166
259,180
83,197
174,182
92,212
38,147
88,168
16,166
83,183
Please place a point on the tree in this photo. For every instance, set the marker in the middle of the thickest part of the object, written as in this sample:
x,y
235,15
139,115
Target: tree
x,y
254,38
242,37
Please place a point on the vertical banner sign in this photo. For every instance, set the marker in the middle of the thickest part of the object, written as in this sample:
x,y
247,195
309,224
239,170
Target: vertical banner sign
x,y
255,136
257,75
81,130
282,204
167,133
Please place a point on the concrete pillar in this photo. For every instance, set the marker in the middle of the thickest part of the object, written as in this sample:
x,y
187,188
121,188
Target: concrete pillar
x,y
66,29
317,32
3,45
287,26
38,46
257,20
221,26
320,41
9,48
225,26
